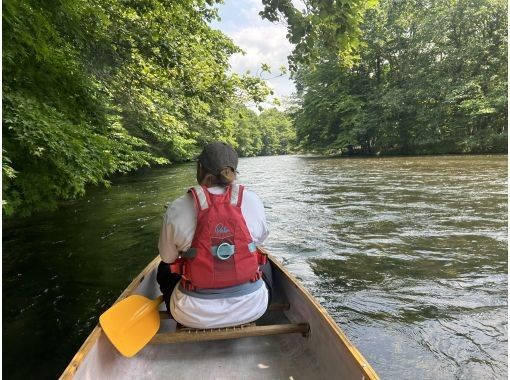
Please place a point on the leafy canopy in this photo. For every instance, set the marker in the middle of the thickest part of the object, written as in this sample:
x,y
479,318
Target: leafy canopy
x,y
102,87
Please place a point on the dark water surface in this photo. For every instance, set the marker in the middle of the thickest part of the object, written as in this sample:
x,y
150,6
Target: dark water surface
x,y
409,256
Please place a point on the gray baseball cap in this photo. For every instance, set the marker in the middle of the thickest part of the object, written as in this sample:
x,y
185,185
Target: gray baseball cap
x,y
218,155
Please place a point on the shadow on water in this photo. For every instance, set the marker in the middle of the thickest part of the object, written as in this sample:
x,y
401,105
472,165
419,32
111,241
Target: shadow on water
x,y
61,270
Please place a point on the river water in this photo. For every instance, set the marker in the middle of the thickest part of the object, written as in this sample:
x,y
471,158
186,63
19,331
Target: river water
x,y
408,255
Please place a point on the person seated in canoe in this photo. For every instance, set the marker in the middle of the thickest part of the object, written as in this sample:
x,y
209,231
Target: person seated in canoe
x,y
211,274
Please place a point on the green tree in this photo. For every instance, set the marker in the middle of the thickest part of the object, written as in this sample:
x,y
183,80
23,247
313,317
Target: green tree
x,y
247,133
277,133
101,87
57,133
431,78
319,26
269,133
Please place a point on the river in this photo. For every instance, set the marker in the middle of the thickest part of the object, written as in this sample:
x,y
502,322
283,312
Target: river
x,y
408,255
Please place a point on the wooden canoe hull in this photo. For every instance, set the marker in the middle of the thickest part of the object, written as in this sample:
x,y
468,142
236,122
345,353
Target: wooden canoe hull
x,y
324,353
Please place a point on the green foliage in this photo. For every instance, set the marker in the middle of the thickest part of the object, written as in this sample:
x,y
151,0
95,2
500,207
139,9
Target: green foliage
x,y
269,133
322,26
96,88
102,87
278,136
431,78
56,131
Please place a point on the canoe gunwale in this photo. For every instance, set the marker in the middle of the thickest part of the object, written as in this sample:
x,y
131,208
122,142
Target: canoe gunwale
x,y
365,367
96,332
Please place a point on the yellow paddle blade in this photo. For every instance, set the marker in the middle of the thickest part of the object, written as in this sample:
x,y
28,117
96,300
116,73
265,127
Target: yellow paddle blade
x,y
131,323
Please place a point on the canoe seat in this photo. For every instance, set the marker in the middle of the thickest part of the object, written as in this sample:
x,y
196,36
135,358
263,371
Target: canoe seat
x,y
180,327
243,331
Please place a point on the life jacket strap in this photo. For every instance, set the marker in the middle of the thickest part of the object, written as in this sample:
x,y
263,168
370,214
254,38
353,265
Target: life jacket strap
x,y
200,197
236,194
189,254
232,291
225,251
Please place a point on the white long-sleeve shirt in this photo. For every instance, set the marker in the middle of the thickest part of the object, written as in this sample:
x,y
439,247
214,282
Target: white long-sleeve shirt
x,y
179,223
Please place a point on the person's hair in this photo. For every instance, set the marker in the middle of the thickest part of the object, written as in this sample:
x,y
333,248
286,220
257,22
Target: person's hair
x,y
226,176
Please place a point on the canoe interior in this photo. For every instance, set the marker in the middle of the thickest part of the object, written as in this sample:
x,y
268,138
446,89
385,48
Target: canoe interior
x,y
323,354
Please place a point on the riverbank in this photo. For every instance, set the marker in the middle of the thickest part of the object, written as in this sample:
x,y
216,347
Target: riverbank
x,y
396,153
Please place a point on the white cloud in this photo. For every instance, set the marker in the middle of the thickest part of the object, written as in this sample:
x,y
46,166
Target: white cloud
x,y
263,42
262,45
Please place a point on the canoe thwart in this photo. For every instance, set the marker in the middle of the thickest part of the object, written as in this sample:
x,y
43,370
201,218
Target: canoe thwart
x,y
197,335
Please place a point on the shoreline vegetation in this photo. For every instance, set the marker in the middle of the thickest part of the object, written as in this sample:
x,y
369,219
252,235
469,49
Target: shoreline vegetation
x,y
93,90
383,155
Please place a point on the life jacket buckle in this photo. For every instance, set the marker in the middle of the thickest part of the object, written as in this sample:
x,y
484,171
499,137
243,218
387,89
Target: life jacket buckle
x,y
261,258
187,285
225,251
177,266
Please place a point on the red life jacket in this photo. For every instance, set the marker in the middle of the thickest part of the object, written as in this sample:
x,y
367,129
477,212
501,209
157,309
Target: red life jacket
x,y
222,252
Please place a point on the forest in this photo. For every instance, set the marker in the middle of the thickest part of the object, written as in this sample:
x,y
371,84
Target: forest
x,y
430,78
93,89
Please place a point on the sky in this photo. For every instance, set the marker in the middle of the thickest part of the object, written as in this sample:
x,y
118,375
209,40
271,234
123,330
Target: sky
x,y
263,42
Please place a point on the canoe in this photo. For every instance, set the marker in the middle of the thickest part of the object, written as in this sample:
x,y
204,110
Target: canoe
x,y
295,339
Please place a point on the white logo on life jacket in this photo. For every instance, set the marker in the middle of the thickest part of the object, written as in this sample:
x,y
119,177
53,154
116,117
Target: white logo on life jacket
x,y
221,229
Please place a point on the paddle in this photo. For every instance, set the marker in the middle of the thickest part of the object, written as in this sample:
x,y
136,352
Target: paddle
x,y
131,323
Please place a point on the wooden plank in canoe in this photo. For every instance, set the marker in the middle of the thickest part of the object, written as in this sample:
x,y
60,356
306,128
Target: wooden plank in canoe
x,y
197,335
